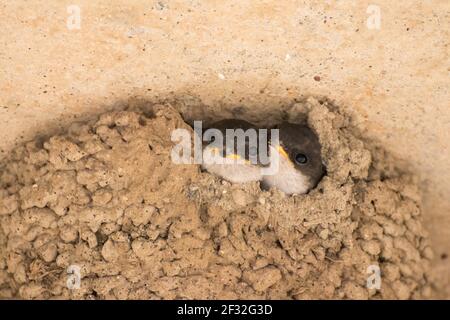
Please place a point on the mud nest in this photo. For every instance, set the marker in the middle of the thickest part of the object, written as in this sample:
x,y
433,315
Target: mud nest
x,y
106,198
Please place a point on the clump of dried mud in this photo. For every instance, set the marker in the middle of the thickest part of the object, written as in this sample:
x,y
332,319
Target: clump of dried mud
x,y
107,198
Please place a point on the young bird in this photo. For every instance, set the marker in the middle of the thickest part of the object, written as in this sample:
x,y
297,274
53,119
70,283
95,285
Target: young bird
x,y
300,164
297,154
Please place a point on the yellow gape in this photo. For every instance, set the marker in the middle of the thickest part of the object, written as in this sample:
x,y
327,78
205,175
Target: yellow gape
x,y
283,152
233,156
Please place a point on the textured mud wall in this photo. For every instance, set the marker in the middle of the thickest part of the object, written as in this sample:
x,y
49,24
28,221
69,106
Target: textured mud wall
x,y
107,199
231,54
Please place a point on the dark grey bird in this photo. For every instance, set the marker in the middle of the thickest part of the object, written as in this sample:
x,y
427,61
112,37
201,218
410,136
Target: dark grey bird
x,y
297,154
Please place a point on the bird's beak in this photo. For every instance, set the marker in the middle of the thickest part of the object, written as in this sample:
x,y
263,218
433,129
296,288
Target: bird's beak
x,y
216,151
283,153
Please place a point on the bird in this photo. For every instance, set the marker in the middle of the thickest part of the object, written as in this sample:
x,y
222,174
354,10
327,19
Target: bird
x,y
296,153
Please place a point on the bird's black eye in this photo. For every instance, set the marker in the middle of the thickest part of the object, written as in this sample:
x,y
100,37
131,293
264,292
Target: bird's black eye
x,y
212,139
300,158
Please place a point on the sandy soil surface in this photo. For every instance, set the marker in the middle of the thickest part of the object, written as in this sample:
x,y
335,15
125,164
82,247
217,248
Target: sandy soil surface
x,y
107,198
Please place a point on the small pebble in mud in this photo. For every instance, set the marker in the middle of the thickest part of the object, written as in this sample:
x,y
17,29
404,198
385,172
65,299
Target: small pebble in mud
x,y
241,198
